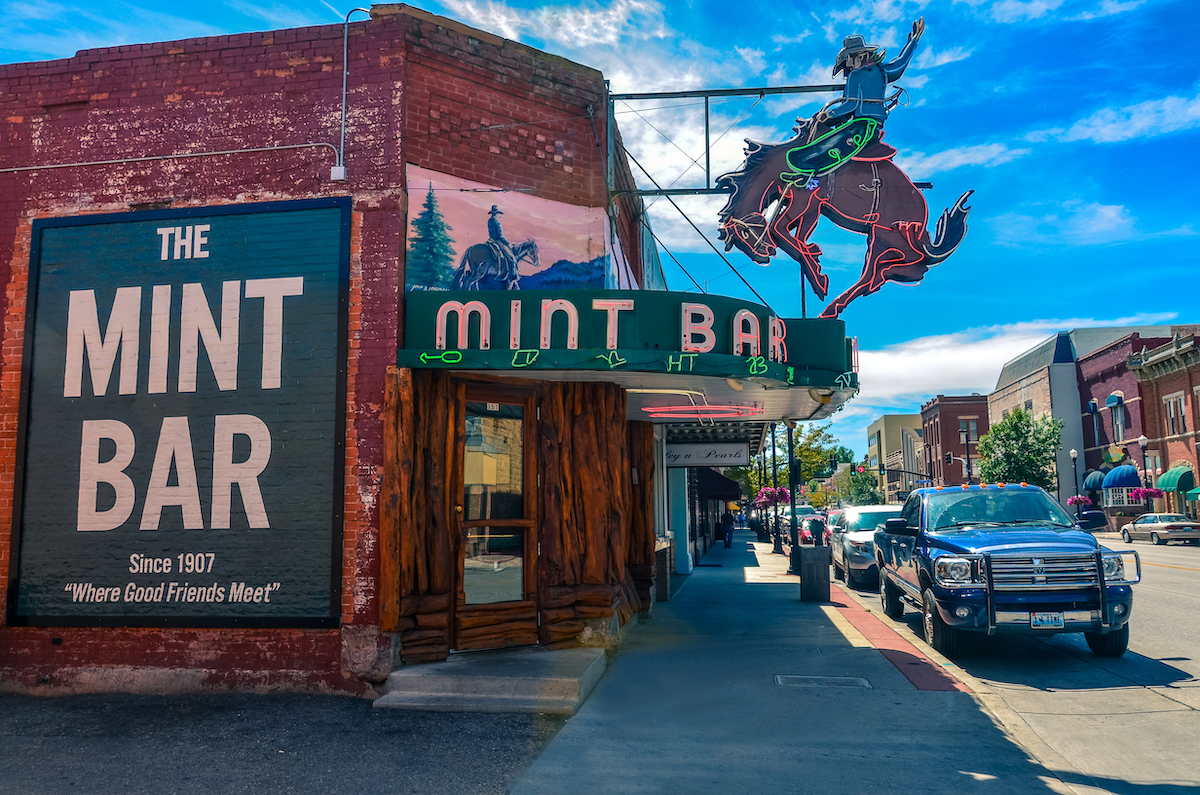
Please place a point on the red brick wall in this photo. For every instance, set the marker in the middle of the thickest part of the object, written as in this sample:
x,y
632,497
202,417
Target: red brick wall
x,y
420,90
1100,374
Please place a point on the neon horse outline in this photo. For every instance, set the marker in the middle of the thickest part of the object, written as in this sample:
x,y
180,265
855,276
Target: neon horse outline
x,y
865,193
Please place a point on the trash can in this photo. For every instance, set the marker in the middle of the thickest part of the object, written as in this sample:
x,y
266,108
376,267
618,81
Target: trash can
x,y
814,574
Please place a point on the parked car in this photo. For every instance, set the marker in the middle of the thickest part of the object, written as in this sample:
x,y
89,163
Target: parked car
x,y
1161,528
997,559
852,542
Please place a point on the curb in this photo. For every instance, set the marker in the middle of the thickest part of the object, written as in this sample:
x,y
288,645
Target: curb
x,y
992,703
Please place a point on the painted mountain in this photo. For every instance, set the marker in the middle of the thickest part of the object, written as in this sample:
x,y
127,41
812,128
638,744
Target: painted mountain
x,y
567,275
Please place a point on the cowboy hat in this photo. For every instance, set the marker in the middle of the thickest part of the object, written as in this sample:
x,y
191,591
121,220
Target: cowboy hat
x,y
852,45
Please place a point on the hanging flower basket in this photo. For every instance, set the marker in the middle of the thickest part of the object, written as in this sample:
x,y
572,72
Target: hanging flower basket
x,y
1141,495
768,496
1080,499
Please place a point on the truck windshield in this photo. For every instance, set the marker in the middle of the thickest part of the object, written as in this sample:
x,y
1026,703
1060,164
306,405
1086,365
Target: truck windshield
x,y
997,508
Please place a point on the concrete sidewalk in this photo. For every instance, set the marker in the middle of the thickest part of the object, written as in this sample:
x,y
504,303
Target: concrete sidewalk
x,y
737,686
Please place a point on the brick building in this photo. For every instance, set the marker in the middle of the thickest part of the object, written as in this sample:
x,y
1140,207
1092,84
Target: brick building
x,y
238,454
1112,412
1168,377
943,420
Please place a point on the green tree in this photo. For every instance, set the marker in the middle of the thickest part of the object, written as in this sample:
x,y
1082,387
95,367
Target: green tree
x,y
1021,448
813,445
862,489
430,261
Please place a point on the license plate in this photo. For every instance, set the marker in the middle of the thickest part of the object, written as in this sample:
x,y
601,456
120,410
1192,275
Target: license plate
x,y
1046,620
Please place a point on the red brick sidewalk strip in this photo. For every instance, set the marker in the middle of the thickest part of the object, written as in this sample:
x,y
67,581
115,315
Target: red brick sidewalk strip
x,y
923,672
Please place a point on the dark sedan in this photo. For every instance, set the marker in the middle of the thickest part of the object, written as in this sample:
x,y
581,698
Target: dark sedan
x,y
1159,528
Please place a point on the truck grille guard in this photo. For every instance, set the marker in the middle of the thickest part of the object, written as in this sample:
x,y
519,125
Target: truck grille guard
x,y
1052,571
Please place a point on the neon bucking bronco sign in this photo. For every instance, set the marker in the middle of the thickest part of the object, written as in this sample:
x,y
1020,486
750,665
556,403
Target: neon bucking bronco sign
x,y
838,166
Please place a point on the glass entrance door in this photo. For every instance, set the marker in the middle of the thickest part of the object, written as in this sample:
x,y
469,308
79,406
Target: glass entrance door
x,y
494,496
496,604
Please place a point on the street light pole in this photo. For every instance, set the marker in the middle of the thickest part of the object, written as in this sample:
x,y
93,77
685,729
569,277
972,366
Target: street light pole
x,y
1142,442
1075,476
778,546
966,443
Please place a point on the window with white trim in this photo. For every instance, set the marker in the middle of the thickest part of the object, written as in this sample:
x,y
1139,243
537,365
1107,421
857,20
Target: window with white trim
x,y
1118,419
1119,498
1176,419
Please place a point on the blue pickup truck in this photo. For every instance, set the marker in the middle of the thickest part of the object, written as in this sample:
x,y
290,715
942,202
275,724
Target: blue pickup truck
x,y
1001,558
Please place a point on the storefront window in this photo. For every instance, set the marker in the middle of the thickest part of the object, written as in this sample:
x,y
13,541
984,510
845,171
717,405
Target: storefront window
x,y
1119,498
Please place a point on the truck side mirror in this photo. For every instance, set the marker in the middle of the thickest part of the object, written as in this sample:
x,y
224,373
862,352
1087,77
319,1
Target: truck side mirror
x,y
1093,520
898,527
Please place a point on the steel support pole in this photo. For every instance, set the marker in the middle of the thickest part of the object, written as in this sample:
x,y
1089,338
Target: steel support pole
x,y
778,543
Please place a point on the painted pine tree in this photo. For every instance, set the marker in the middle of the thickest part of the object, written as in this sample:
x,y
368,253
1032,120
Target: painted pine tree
x,y
430,255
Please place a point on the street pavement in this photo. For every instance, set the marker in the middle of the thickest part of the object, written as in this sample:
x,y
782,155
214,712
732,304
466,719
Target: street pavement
x,y
734,685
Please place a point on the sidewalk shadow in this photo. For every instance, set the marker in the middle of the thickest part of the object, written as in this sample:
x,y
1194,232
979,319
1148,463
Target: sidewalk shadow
x,y
1054,662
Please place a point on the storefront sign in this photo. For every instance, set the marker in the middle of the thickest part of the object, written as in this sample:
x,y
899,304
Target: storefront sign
x,y
611,330
708,455
183,416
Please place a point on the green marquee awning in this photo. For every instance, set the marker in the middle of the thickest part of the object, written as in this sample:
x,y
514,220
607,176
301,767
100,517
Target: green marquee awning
x,y
1177,479
1193,495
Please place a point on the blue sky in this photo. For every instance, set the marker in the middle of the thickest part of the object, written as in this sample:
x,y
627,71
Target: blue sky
x,y
1075,122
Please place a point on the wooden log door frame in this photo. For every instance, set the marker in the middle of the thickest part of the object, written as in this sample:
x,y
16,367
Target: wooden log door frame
x,y
500,624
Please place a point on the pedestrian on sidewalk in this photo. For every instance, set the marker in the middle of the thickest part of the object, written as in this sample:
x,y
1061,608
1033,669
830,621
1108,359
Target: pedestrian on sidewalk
x,y
727,528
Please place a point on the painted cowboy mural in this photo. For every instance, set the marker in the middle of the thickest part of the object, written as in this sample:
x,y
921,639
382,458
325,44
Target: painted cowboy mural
x,y
495,263
839,167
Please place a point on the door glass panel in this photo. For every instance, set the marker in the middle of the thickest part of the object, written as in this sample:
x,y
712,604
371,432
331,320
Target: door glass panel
x,y
494,565
493,476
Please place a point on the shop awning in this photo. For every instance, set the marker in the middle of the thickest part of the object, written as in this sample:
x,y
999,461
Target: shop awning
x,y
1193,495
1093,480
716,486
1122,477
1177,479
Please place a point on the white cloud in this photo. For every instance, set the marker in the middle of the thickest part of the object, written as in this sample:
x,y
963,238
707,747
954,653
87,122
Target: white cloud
x,y
1018,10
930,59
1077,223
899,378
574,26
1107,9
919,165
755,59
1146,119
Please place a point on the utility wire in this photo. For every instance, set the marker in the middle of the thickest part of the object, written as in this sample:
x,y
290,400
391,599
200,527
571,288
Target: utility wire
x,y
694,161
646,225
702,235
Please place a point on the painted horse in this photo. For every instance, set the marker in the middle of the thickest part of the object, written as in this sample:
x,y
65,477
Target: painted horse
x,y
482,265
845,174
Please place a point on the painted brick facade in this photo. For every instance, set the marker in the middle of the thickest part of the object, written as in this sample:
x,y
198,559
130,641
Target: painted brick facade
x,y
422,90
1102,374
1171,373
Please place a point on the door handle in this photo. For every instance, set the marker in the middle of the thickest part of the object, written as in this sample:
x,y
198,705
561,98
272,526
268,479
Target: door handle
x,y
458,509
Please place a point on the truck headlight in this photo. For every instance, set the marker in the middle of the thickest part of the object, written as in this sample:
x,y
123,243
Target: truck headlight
x,y
952,571
1114,568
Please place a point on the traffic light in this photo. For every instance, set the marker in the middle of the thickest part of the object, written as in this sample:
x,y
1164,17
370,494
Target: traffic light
x,y
949,458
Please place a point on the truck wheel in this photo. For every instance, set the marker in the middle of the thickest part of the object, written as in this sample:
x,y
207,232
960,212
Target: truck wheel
x,y
1154,539
889,594
1113,644
838,572
942,638
850,578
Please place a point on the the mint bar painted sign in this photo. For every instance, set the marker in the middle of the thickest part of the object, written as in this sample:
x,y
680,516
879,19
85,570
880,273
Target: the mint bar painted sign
x,y
184,407
610,330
